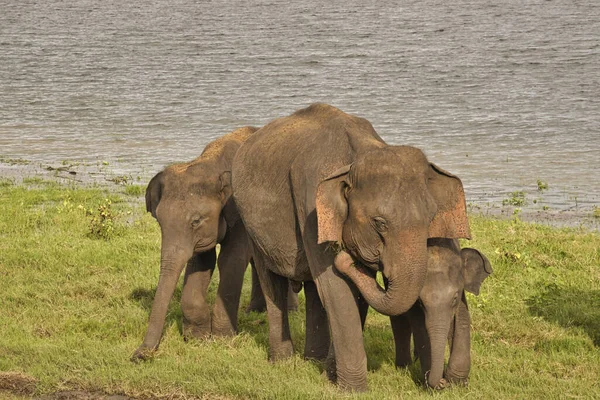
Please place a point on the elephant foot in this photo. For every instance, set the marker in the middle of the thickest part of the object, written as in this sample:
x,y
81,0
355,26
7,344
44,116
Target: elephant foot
x,y
222,325
353,387
286,350
403,363
258,306
142,353
316,353
456,379
442,384
403,359
195,331
330,370
352,381
223,331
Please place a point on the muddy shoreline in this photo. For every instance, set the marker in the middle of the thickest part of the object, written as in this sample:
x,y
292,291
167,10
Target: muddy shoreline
x,y
104,175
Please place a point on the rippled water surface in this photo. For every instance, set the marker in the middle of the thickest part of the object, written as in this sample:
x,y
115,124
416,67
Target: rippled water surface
x,y
500,93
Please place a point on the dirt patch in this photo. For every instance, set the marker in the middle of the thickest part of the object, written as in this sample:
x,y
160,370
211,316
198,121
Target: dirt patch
x,y
24,386
80,395
17,383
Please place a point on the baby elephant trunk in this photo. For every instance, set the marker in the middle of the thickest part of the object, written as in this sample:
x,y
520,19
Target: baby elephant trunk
x,y
437,330
173,259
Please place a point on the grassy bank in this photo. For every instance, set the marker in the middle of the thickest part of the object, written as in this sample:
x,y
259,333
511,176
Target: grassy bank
x,y
79,266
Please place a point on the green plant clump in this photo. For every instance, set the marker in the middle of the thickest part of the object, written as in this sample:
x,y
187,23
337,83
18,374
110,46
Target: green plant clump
x,y
541,185
103,223
135,190
516,198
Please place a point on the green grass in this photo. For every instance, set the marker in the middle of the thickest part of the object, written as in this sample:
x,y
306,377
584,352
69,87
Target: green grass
x,y
73,308
135,190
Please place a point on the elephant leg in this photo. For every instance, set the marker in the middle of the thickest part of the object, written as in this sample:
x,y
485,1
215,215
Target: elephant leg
x,y
317,326
195,309
459,364
402,332
347,360
292,299
345,323
275,289
257,298
422,345
232,263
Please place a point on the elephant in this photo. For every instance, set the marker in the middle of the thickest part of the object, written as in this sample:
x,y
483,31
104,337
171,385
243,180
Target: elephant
x,y
331,185
442,313
193,205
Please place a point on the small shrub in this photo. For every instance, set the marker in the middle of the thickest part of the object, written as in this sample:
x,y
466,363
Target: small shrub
x,y
121,179
596,212
103,223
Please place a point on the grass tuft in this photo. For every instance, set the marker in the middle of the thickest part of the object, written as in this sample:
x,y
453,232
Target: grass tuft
x,y
135,190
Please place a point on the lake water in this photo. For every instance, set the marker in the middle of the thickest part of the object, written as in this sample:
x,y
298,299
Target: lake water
x,y
502,94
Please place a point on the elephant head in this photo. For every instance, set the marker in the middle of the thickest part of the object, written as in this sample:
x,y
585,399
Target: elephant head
x,y
382,208
191,203
450,272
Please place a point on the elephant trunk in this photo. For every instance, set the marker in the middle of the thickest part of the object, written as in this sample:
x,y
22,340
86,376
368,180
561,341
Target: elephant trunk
x,y
173,259
437,330
459,363
405,274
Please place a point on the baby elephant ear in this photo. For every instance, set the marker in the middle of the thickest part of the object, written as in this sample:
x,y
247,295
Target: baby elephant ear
x,y
153,193
450,220
331,205
476,267
225,181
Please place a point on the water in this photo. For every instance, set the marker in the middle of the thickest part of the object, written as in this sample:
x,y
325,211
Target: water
x,y
500,93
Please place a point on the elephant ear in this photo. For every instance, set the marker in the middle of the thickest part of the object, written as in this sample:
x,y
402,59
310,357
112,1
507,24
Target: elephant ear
x,y
225,186
153,193
450,220
331,205
476,267
229,212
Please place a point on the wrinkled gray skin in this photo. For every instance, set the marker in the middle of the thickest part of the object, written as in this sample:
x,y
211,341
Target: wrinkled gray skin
x,y
442,314
192,203
329,178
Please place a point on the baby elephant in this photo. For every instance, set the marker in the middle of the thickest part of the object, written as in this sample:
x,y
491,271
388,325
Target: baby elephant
x,y
192,203
441,313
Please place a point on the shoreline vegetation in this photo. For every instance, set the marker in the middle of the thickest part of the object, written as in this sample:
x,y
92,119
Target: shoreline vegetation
x,y
79,264
527,206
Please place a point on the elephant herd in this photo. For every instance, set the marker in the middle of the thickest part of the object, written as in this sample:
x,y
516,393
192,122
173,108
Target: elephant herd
x,y
317,200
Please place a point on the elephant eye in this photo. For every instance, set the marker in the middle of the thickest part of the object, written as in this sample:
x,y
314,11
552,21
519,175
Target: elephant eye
x,y
455,300
347,190
197,221
380,224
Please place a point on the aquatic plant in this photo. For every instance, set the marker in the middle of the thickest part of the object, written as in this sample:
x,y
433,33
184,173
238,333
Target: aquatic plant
x,y
541,185
516,198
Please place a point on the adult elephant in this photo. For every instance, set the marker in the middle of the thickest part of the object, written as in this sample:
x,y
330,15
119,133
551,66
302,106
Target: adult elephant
x,y
442,314
192,203
329,177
